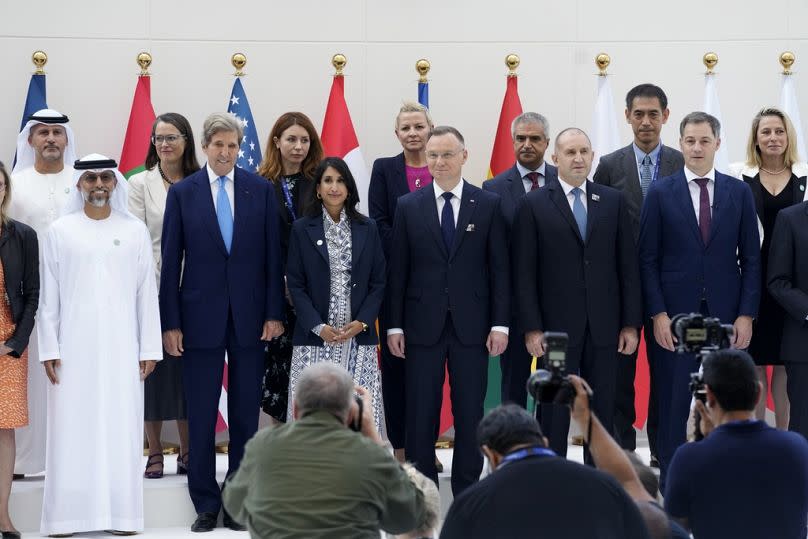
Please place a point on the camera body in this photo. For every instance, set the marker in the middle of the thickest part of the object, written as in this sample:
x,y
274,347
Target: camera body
x,y
696,332
552,385
356,424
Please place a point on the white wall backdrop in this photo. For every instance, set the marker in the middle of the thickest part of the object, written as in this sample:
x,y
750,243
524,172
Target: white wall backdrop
x,y
92,45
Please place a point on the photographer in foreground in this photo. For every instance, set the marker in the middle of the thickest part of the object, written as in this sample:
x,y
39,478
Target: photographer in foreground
x,y
533,493
314,477
743,471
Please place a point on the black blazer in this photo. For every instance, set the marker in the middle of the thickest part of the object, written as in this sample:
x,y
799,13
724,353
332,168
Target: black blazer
x,y
308,276
566,284
388,182
19,254
472,279
788,278
752,178
619,170
300,197
508,185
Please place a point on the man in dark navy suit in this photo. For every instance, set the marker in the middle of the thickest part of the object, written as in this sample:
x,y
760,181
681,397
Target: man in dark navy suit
x,y
575,270
530,132
449,301
699,252
221,290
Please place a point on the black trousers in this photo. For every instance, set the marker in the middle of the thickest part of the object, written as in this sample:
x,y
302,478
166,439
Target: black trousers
x,y
202,378
393,383
596,365
468,377
797,389
514,363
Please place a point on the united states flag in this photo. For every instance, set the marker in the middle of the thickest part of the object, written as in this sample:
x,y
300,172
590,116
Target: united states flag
x,y
249,155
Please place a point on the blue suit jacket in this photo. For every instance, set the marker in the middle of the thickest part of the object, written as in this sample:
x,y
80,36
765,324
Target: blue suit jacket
x,y
678,269
200,284
508,185
308,276
471,279
388,182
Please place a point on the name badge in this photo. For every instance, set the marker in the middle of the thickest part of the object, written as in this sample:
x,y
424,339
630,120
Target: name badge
x,y
470,227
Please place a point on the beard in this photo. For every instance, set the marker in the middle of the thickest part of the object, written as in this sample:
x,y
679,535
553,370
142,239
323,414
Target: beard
x,y
96,198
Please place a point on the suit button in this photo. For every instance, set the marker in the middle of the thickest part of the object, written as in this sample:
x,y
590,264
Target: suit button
x,y
445,290
586,262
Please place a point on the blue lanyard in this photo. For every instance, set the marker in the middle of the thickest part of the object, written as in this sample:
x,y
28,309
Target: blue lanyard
x,y
289,205
656,167
525,453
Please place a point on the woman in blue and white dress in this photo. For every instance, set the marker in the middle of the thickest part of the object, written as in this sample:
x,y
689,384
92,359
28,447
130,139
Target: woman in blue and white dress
x,y
335,273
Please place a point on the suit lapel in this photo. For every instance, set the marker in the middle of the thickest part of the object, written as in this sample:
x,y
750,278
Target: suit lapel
x,y
467,206
316,233
155,190
203,195
359,232
682,195
757,192
401,175
799,190
593,208
429,215
560,200
517,190
669,164
241,202
721,201
632,178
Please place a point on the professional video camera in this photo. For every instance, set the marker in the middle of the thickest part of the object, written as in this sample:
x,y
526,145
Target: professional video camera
x,y
552,385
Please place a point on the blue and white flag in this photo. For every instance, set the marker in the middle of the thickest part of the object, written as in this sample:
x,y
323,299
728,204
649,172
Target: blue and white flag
x,y
249,154
423,93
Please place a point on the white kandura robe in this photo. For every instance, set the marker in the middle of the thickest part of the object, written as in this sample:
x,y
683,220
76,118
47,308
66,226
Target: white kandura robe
x,y
37,200
99,314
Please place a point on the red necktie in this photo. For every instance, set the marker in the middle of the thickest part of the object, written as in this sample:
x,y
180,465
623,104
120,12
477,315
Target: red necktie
x,y
705,217
534,180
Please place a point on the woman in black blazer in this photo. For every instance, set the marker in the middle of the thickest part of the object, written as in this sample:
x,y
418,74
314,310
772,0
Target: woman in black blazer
x,y
19,277
293,151
336,274
777,181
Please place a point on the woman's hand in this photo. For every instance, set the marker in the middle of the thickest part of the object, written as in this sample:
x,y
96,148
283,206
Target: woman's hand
x,y
350,330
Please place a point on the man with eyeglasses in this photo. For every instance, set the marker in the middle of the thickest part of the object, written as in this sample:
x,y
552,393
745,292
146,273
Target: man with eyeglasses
x,y
99,338
43,182
449,293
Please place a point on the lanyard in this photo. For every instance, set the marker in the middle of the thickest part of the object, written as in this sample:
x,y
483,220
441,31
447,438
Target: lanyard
x,y
525,453
289,205
656,167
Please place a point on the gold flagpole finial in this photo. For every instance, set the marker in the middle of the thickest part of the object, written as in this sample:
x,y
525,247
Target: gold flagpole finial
x,y
422,66
339,61
144,60
39,58
602,61
512,61
787,60
710,60
239,60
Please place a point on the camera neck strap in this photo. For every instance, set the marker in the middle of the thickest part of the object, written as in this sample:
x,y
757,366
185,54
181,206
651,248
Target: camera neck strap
x,y
526,453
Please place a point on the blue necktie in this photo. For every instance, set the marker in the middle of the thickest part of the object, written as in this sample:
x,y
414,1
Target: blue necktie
x,y
645,175
224,214
579,212
447,224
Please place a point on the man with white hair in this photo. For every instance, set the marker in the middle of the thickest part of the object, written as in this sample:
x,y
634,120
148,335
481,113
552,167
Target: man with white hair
x,y
99,338
43,181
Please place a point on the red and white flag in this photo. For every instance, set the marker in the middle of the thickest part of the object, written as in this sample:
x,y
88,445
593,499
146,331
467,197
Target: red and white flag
x,y
339,139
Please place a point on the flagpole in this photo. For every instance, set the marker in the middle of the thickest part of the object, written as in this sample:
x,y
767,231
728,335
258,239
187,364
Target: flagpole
x,y
713,107
789,103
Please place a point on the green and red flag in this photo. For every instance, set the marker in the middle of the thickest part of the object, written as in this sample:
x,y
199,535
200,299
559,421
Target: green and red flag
x,y
138,132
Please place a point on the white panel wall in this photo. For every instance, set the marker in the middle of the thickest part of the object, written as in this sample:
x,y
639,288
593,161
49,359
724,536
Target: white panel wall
x,y
92,45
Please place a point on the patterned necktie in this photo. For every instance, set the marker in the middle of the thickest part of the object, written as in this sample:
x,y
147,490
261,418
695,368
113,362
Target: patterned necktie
x,y
534,180
579,212
447,224
645,175
224,214
705,217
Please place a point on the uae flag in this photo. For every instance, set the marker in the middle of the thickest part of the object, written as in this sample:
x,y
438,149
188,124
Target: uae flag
x,y
502,157
339,139
138,132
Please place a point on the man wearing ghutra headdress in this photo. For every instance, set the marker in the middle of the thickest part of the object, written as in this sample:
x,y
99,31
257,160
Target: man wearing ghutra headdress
x,y
43,181
97,267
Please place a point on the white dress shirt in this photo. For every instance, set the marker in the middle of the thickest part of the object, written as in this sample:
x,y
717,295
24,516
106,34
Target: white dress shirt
x,y
228,188
568,192
524,171
695,190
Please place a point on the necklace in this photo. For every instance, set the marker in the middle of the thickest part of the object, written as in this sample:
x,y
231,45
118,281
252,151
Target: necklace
x,y
163,175
773,173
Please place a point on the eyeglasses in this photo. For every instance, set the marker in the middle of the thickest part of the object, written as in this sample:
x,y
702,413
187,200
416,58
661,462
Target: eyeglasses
x,y
91,177
432,156
169,139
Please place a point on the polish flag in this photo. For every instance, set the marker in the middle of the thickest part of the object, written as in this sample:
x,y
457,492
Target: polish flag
x,y
339,139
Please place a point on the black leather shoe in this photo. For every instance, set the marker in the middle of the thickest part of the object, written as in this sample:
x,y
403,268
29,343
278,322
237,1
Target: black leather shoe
x,y
11,535
232,524
205,522
654,463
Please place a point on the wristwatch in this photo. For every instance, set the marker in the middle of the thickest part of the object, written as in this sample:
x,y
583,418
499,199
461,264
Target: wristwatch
x,y
364,327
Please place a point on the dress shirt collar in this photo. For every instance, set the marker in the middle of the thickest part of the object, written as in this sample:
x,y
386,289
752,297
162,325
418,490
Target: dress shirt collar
x,y
568,188
640,154
213,177
457,191
524,171
690,175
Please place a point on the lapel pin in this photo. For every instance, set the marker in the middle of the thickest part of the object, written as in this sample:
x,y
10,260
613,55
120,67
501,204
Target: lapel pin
x,y
116,242
470,228
67,190
417,183
802,188
595,197
319,242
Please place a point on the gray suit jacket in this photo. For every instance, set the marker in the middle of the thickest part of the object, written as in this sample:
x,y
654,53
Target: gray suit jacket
x,y
619,170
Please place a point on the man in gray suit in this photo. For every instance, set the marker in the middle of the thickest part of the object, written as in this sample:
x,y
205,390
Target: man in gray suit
x,y
632,169
530,132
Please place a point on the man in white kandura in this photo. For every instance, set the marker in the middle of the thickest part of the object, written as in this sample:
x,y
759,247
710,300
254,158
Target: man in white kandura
x,y
99,338
43,181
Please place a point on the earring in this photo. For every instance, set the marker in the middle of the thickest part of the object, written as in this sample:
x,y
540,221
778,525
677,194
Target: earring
x,y
319,197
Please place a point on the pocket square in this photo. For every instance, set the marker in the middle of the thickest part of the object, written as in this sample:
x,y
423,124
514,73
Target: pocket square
x,y
595,197
470,227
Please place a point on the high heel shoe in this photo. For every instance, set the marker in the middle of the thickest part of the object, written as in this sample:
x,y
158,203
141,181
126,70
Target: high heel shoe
x,y
11,534
154,460
182,464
